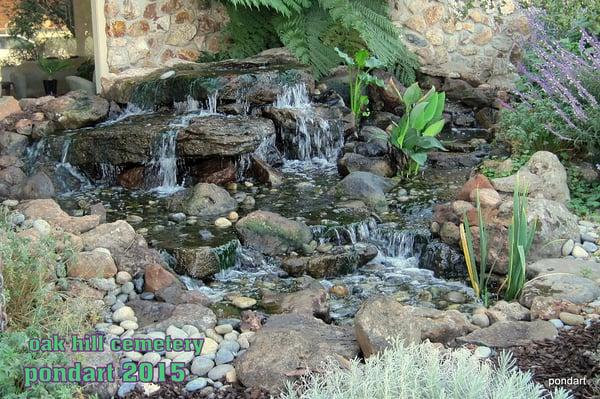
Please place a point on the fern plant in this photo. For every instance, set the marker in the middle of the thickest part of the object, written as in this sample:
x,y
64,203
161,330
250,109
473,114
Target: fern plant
x,y
311,29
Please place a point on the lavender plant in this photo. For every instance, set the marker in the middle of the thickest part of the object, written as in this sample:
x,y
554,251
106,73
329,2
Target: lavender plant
x,y
563,82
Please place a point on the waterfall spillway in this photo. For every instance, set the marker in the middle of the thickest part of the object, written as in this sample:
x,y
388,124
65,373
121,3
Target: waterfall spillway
x,y
69,170
314,137
164,163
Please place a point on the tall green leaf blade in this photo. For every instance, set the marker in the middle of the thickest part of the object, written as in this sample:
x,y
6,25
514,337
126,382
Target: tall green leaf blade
x,y
412,94
435,128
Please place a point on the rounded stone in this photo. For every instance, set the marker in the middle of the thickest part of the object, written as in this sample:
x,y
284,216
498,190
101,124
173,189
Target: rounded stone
x,y
190,330
202,365
242,302
210,346
196,385
223,223
224,356
223,329
557,323
116,330
129,325
589,247
151,357
219,372
580,252
480,320
127,288
42,227
455,297
232,346
571,319
567,247
123,277
233,216
135,356
175,332
483,352
122,314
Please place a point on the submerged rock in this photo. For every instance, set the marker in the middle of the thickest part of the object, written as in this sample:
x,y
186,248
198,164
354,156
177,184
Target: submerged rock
x,y
272,234
288,343
205,200
352,162
366,187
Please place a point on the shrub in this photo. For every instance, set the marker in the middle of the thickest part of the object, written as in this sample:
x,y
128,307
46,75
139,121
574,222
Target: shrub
x,y
559,93
32,301
421,371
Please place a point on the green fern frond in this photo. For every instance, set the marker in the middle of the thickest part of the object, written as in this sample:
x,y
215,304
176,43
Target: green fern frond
x,y
283,7
250,31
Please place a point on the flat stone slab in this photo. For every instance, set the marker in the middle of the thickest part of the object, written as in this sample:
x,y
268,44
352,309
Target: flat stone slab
x,y
511,333
578,267
564,286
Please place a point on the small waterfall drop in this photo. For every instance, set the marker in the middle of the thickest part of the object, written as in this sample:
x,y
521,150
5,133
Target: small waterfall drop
x,y
68,171
164,164
314,138
129,111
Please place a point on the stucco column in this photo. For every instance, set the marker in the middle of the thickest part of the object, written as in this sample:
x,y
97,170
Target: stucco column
x,y
100,45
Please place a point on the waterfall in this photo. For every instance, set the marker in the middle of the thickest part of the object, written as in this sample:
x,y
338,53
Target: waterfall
x,y
33,154
129,111
314,136
71,171
164,164
109,173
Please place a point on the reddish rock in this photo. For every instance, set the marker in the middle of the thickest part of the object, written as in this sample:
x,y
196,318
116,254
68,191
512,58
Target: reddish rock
x,y
132,178
477,181
8,106
215,172
170,6
188,54
139,28
182,17
150,11
93,264
547,308
157,278
488,197
117,29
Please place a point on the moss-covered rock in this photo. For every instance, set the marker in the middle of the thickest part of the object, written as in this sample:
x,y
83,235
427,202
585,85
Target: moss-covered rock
x,y
272,234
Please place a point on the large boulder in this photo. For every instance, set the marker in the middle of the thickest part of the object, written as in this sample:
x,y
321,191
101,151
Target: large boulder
x,y
506,334
578,267
38,186
380,319
568,287
289,343
153,316
367,187
76,109
343,260
272,234
8,106
205,200
555,225
93,264
13,143
543,176
129,250
311,299
223,136
51,212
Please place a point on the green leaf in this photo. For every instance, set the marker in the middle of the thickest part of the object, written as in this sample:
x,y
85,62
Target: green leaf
x,y
441,104
374,62
412,95
417,116
428,143
419,157
361,58
431,108
345,57
435,128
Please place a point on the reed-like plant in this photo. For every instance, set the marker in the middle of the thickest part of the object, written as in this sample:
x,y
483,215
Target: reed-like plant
x,y
479,278
520,238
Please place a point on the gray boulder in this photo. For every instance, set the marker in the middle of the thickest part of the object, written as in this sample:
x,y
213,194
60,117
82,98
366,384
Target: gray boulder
x,y
288,343
76,109
569,287
272,234
543,176
352,162
367,187
578,267
380,319
506,334
206,200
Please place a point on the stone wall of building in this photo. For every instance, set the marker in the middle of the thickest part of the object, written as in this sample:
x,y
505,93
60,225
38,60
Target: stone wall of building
x,y
477,44
153,33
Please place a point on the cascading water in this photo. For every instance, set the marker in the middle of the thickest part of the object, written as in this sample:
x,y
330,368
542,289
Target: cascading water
x,y
164,164
129,111
68,171
314,137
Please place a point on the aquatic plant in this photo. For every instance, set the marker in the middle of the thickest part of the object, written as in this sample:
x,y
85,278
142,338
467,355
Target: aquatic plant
x,y
479,278
423,370
520,239
415,134
360,67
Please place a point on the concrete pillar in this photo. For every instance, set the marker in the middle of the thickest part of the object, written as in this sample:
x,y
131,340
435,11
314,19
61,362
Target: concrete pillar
x,y
100,44
82,15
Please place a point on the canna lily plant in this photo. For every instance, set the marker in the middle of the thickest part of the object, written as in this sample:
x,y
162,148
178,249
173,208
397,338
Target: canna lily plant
x,y
479,278
415,134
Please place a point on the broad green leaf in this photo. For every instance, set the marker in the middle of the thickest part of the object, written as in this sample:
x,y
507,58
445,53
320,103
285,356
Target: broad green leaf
x,y
412,94
374,62
441,103
417,116
435,128
428,143
419,157
431,108
345,57
428,95
411,139
361,58
403,129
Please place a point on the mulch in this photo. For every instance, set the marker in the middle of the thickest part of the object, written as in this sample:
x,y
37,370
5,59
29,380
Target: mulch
x,y
569,355
172,390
